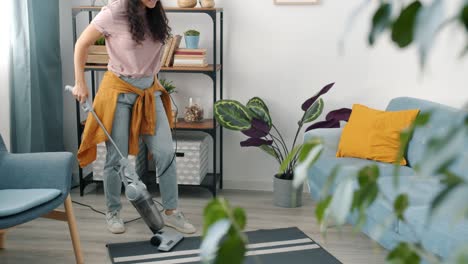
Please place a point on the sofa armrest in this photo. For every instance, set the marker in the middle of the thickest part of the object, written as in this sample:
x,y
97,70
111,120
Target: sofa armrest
x,y
330,136
36,170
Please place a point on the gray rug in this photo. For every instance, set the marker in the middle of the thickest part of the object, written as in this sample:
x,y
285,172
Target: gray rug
x,y
273,246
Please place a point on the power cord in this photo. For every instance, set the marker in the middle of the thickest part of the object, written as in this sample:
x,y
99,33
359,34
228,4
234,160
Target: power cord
x,y
100,212
175,138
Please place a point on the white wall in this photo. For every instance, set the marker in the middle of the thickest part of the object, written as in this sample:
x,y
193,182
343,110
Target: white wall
x,y
284,54
5,74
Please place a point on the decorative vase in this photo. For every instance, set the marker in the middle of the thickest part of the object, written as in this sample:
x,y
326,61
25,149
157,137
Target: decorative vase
x,y
191,42
284,194
207,3
194,111
186,3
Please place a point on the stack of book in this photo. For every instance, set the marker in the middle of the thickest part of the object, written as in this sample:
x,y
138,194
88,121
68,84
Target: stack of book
x,y
190,58
167,59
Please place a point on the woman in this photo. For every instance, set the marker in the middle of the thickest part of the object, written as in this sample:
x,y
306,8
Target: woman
x,y
130,101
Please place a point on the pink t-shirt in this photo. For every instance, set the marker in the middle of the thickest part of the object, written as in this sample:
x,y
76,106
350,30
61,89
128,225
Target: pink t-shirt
x,y
126,57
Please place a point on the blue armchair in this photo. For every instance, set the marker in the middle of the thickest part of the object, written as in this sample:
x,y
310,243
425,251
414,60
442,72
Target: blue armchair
x,y
33,185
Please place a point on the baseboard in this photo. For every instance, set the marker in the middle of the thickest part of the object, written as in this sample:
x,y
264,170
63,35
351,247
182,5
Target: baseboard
x,y
251,185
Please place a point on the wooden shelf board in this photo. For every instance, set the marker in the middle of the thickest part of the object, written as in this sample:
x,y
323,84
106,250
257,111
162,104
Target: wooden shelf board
x,y
96,67
168,9
195,9
204,125
209,68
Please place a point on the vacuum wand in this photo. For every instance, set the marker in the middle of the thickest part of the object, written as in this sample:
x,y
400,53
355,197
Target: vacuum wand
x,y
137,194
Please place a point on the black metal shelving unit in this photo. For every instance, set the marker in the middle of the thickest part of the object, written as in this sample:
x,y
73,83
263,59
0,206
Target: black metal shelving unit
x,y
215,71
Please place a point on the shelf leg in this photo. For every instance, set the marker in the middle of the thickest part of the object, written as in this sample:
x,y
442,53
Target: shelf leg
x,y
82,183
221,97
215,137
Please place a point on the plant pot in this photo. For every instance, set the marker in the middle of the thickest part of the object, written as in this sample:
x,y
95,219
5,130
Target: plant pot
x,y
284,194
191,42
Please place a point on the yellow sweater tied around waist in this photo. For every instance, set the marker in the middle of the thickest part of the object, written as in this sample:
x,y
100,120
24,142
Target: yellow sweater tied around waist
x,y
143,120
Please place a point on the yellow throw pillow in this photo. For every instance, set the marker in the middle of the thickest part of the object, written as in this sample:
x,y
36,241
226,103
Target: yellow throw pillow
x,y
373,134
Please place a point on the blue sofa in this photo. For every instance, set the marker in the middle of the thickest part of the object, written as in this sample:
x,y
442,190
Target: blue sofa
x,y
441,235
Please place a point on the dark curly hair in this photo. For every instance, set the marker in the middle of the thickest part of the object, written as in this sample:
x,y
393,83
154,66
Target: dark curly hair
x,y
158,23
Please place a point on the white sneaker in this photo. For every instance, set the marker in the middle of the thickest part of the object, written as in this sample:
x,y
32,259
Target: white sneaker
x,y
115,224
177,220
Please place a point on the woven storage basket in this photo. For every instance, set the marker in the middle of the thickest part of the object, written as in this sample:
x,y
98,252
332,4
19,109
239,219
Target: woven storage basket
x,y
138,162
191,158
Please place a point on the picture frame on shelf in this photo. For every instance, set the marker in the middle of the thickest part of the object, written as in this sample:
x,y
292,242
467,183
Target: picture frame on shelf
x,y
296,2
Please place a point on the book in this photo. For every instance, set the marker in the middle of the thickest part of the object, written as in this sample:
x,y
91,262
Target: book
x,y
174,46
177,56
167,60
167,47
190,51
191,65
189,61
97,54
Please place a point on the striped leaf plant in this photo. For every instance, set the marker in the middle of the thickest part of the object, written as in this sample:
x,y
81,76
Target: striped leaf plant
x,y
254,120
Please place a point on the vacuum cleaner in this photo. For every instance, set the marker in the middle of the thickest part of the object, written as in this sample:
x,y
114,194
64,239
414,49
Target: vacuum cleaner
x,y
138,195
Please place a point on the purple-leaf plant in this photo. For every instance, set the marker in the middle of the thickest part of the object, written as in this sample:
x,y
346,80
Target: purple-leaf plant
x,y
254,121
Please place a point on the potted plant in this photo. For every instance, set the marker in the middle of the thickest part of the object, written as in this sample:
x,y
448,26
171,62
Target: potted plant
x,y
170,88
192,38
97,53
254,121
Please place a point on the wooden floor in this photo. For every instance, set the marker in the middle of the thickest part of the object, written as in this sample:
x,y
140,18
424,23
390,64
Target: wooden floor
x,y
47,241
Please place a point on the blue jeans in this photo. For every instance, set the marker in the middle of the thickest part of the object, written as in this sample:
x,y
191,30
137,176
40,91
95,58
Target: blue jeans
x,y
159,144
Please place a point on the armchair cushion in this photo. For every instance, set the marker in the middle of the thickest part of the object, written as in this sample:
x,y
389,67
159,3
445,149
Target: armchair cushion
x,y
13,201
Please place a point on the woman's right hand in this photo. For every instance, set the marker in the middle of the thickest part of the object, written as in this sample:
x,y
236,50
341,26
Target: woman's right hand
x,y
80,92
